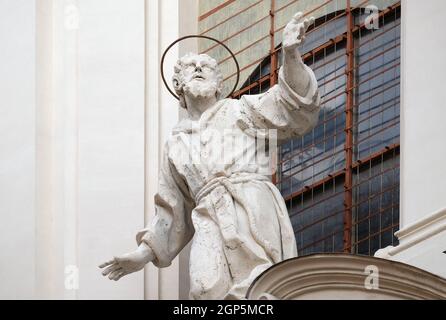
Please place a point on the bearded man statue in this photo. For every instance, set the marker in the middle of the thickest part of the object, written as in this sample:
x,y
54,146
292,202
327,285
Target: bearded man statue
x,y
214,193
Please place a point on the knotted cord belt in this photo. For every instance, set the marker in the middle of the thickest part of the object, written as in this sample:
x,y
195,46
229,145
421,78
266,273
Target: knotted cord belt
x,y
228,183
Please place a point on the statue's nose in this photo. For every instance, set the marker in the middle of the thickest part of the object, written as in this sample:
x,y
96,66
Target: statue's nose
x,y
198,68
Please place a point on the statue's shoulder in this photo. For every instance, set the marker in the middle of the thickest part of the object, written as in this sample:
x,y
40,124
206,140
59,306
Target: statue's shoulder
x,y
251,99
226,102
230,103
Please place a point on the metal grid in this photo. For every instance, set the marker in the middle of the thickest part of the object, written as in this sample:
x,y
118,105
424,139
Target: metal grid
x,y
341,181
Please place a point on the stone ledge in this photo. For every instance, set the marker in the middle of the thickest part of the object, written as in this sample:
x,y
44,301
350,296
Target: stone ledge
x,y
415,233
344,277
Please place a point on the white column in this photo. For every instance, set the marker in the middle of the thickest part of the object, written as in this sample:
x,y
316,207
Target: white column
x,y
422,232
56,148
161,116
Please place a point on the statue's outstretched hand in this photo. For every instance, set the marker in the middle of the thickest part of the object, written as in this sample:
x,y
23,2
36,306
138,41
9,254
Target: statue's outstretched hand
x,y
127,263
295,31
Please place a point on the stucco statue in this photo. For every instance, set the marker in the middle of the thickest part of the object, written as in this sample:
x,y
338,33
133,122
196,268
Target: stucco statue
x,y
214,193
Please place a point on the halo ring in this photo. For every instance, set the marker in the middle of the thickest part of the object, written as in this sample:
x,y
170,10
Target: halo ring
x,y
203,37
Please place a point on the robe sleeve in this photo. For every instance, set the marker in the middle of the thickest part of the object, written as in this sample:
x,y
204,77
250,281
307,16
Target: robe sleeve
x,y
171,228
282,109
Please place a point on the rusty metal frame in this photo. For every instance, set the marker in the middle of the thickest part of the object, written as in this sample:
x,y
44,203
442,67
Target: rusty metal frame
x,y
214,10
355,165
386,152
231,17
391,103
348,147
312,53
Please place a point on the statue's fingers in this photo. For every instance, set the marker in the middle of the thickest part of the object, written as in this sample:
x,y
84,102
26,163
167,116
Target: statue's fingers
x,y
120,275
110,268
107,263
307,23
302,29
312,20
298,16
113,274
116,275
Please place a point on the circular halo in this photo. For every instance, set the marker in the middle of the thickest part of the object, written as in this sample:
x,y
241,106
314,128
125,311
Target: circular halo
x,y
204,37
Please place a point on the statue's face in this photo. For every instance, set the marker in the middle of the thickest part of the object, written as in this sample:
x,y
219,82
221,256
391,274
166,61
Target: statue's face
x,y
200,76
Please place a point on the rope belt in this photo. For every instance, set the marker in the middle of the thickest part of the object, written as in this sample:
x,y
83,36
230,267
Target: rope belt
x,y
228,183
235,178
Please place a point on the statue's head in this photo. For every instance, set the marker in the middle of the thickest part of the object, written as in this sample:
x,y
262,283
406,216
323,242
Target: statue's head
x,y
197,75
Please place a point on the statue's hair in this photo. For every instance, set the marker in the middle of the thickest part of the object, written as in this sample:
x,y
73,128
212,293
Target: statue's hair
x,y
178,81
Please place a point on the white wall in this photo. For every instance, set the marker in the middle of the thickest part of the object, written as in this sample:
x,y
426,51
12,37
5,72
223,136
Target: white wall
x,y
423,171
83,119
111,141
422,233
90,144
17,150
91,175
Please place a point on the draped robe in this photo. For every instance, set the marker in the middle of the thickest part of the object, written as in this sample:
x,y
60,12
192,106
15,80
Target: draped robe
x,y
217,195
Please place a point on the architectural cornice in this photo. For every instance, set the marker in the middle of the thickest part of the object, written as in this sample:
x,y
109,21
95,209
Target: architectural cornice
x,y
343,276
415,233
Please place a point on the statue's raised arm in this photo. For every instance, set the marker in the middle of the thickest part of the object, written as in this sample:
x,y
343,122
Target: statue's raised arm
x,y
292,106
294,71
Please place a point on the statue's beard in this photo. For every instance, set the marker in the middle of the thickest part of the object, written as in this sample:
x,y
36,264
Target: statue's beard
x,y
200,89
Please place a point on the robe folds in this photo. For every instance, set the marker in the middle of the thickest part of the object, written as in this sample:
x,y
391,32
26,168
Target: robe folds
x,y
217,194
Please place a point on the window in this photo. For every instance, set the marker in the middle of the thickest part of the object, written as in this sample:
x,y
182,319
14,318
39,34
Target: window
x,y
340,182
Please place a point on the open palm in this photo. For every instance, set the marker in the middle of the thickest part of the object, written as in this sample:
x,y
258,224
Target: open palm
x,y
295,31
125,264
